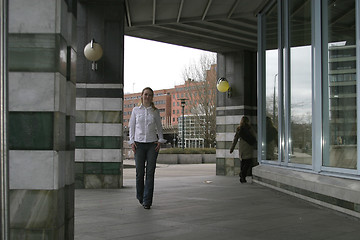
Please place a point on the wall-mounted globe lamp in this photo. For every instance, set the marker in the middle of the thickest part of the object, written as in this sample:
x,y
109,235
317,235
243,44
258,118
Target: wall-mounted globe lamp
x,y
223,86
93,52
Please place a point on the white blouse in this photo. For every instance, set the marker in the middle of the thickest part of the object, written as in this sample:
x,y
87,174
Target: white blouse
x,y
145,123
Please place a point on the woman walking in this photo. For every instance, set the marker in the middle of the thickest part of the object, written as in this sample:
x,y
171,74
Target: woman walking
x,y
247,145
146,136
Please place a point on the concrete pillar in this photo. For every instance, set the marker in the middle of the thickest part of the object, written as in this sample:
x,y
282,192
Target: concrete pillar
x,y
239,68
42,58
99,96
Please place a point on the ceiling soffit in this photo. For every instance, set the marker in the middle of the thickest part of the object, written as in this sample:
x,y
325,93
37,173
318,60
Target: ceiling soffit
x,y
212,25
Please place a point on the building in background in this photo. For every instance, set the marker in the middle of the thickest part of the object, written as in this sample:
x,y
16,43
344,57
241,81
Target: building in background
x,y
169,104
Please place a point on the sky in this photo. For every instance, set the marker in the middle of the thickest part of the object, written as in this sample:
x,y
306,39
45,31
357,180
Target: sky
x,y
154,64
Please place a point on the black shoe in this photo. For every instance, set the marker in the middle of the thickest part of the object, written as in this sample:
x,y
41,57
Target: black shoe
x,y
146,207
141,202
242,180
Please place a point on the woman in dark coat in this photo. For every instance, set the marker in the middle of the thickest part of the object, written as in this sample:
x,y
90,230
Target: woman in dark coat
x,y
247,145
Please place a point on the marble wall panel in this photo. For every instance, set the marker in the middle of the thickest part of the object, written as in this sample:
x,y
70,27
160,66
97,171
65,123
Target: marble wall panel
x,y
35,169
112,129
69,167
60,133
80,129
70,130
31,130
37,210
72,58
94,116
112,117
94,104
93,155
79,155
94,129
70,98
61,96
25,16
113,104
32,91
80,104
112,155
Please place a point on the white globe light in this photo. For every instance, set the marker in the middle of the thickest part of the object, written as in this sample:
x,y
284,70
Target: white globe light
x,y
93,53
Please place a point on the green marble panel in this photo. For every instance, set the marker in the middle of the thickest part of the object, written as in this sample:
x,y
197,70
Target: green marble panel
x,y
94,117
31,60
112,142
93,142
220,128
70,133
80,142
31,130
60,133
221,145
80,116
92,167
112,117
79,167
37,53
228,145
111,168
231,128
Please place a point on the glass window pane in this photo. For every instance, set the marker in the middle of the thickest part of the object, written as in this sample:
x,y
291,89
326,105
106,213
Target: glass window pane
x,y
300,143
271,69
340,95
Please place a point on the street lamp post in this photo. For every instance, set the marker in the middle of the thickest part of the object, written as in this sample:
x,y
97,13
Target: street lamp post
x,y
274,101
182,100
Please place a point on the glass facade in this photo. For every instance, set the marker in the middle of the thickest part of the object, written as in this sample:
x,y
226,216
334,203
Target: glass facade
x,y
271,92
300,87
339,92
287,63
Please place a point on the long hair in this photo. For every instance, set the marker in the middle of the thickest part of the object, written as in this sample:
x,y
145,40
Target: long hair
x,y
244,122
152,91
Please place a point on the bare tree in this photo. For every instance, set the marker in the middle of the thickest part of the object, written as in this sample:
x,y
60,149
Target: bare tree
x,y
200,80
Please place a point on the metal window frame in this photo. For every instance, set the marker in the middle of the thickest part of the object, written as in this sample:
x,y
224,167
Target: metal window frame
x,y
4,103
319,82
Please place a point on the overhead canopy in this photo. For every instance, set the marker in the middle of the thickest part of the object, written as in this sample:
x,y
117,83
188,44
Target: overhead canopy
x,y
212,25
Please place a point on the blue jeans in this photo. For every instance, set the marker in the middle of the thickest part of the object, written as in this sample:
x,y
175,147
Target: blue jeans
x,y
145,153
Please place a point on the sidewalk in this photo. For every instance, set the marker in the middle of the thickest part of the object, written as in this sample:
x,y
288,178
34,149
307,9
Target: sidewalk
x,y
199,205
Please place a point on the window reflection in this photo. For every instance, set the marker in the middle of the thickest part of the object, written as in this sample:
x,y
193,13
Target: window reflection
x,y
271,68
300,142
340,94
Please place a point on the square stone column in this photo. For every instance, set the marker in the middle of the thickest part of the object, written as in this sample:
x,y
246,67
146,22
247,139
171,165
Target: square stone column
x,y
42,59
239,68
99,96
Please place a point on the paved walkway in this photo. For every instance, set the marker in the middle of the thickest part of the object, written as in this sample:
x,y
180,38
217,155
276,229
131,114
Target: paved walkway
x,y
190,202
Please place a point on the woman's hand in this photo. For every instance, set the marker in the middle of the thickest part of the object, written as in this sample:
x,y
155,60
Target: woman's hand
x,y
158,145
133,147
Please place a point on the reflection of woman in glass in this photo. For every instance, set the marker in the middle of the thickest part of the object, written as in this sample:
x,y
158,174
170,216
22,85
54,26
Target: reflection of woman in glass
x,y
271,139
247,145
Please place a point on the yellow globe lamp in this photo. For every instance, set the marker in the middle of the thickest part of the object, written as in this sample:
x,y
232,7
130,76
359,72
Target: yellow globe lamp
x,y
222,85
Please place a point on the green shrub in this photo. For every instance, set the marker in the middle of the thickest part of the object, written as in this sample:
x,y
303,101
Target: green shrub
x,y
188,151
